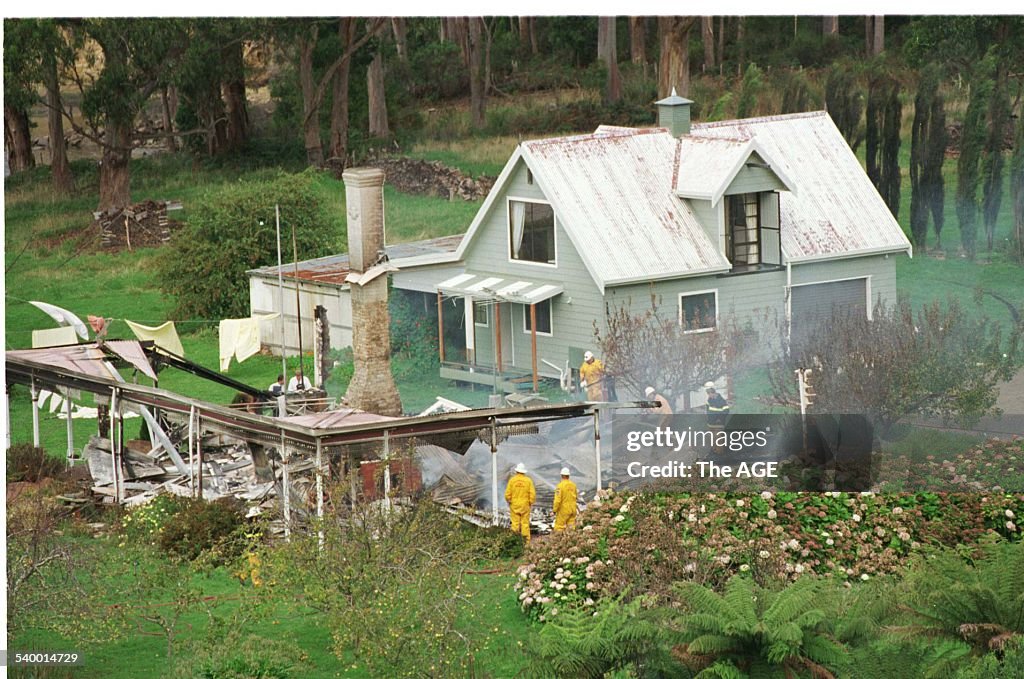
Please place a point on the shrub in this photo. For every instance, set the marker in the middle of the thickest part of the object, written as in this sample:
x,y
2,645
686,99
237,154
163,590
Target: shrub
x,y
251,657
232,230
144,524
26,462
204,527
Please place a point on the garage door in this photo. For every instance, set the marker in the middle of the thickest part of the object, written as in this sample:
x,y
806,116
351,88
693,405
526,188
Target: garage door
x,y
813,305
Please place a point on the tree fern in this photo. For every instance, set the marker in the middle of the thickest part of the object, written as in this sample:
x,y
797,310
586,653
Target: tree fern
x,y
756,632
978,607
591,642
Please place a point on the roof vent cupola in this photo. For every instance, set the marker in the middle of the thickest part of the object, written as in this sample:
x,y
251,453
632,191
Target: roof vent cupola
x,y
674,114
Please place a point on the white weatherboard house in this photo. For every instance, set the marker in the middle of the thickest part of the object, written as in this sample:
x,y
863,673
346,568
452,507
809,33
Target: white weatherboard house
x,y
736,217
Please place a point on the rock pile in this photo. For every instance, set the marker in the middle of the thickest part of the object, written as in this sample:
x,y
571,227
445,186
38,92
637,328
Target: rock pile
x,y
431,178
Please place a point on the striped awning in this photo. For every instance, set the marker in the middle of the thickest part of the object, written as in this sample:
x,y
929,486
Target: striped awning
x,y
498,289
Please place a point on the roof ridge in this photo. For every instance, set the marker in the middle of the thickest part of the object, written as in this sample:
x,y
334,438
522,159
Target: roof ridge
x,y
761,119
594,136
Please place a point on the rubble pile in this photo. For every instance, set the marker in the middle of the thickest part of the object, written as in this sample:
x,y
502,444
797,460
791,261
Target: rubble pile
x,y
143,224
432,178
229,469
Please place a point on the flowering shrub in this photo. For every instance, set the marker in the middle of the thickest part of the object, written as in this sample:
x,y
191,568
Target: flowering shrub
x,y
993,466
645,542
144,523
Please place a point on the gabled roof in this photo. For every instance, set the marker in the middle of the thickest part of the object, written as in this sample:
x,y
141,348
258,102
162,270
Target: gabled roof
x,y
706,166
611,191
615,194
836,212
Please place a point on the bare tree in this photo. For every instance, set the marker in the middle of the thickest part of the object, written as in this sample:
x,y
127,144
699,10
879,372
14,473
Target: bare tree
x,y
399,31
674,63
655,348
938,362
607,52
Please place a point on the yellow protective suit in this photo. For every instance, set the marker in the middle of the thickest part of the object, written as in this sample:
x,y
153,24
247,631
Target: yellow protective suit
x,y
565,505
593,374
520,495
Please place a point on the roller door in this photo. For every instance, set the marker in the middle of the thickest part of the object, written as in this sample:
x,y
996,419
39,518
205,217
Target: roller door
x,y
812,305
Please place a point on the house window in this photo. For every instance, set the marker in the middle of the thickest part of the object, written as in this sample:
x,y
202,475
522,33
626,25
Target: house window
x,y
480,316
529,176
698,311
543,317
531,232
743,232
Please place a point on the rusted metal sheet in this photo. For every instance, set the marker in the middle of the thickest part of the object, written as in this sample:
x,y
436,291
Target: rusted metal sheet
x,y
704,166
333,269
613,195
132,352
836,211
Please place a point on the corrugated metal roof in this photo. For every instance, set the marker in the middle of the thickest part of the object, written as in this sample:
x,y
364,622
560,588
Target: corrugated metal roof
x,y
703,165
333,269
612,192
836,212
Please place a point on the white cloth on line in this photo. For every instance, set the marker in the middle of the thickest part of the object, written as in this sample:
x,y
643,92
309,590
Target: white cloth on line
x,y
240,337
63,317
164,336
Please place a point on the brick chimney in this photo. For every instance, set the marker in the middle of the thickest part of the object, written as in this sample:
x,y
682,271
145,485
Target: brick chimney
x,y
372,388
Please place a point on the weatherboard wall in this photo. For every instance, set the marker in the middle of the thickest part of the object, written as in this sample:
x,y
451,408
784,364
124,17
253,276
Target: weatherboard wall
x,y
573,312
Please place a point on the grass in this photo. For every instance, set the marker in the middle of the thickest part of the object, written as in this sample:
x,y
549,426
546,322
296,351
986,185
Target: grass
x,y
138,655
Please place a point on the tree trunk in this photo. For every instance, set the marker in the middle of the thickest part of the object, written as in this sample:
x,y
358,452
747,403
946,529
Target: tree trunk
x,y
869,35
60,168
524,33
18,139
607,52
477,91
234,94
165,109
339,101
674,63
740,45
637,40
399,30
878,41
721,43
830,25
707,36
311,127
115,180
377,101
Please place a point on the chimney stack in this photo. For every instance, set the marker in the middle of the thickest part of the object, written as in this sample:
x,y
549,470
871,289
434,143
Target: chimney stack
x,y
372,387
674,114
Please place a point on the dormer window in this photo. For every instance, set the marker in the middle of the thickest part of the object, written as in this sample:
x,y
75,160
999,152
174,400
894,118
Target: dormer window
x,y
752,230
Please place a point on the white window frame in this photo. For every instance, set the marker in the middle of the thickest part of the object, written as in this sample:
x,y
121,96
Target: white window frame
x,y
551,318
508,231
694,293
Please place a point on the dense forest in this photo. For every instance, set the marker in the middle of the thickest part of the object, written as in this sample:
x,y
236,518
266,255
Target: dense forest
x,y
329,91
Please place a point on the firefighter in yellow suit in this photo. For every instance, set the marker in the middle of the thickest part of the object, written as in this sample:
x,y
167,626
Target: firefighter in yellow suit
x,y
520,495
592,377
565,502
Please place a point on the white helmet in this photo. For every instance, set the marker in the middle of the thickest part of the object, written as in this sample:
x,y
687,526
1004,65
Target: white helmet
x,y
588,355
709,385
649,391
521,468
565,471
